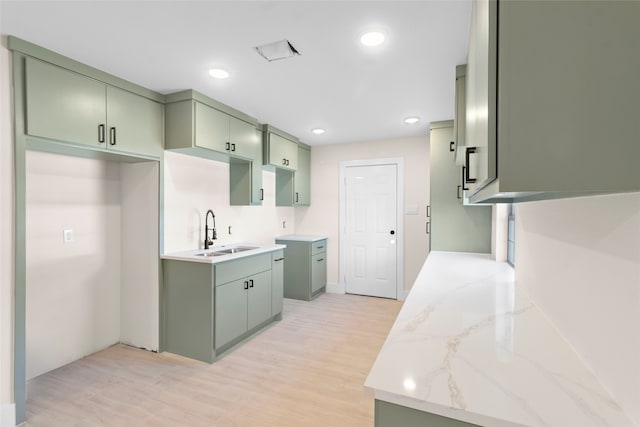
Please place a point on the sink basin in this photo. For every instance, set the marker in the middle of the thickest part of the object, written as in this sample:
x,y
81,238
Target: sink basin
x,y
235,250
208,254
229,251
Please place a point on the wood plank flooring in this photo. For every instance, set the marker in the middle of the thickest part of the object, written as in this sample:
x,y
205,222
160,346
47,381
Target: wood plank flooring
x,y
306,370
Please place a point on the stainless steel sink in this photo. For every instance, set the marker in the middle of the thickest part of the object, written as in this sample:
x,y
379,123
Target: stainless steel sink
x,y
208,254
235,250
229,251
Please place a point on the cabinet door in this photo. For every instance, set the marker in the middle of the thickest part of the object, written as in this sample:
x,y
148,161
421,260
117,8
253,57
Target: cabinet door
x,y
277,282
302,178
259,298
283,153
231,311
257,192
481,94
318,271
243,138
134,123
64,105
212,128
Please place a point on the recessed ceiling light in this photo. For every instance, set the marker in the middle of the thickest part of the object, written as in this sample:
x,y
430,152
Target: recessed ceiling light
x,y
373,38
318,131
412,120
218,73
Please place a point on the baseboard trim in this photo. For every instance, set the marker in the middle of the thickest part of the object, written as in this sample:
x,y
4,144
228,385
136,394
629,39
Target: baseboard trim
x,y
335,288
8,415
339,288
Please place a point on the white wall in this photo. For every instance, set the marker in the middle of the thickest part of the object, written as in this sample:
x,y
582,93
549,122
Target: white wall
x,y
193,185
579,259
7,412
139,264
322,217
72,289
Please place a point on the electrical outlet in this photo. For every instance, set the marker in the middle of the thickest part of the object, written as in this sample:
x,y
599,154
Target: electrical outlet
x,y
67,236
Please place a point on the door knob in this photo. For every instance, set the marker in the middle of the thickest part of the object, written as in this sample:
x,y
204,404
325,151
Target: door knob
x,y
392,232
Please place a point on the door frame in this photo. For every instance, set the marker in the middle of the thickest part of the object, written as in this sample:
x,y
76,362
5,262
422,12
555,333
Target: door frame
x,y
399,163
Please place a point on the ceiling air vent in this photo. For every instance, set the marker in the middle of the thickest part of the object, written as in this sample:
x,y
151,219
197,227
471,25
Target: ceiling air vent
x,y
277,50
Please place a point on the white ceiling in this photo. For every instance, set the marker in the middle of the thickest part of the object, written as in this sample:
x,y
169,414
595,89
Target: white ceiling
x,y
355,93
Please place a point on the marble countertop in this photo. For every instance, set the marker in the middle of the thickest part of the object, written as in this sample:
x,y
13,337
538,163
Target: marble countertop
x,y
301,238
192,255
469,345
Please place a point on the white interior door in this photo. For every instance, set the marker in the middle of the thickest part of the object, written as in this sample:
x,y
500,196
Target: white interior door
x,y
370,230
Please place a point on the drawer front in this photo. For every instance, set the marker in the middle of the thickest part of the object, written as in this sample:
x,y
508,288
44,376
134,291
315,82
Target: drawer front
x,y
243,267
319,247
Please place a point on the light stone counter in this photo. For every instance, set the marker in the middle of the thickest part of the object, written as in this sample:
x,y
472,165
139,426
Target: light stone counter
x,y
192,255
469,345
301,237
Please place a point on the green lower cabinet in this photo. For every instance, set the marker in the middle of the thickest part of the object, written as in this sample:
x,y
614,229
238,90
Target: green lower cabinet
x,y
392,415
209,308
305,268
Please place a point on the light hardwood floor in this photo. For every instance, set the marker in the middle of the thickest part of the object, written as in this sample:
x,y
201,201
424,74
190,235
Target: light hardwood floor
x,y
306,370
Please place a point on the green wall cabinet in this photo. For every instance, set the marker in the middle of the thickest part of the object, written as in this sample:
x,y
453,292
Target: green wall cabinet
x,y
452,226
192,123
200,126
305,269
280,149
293,188
66,106
554,121
302,177
209,308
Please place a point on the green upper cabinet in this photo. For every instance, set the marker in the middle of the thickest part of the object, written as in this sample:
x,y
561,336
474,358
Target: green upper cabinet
x,y
280,149
552,99
194,121
69,107
302,177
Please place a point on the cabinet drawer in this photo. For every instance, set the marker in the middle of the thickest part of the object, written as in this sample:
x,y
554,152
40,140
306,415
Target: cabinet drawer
x,y
318,247
243,267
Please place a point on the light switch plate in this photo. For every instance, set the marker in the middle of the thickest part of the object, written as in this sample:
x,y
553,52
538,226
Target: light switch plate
x,y
411,210
67,236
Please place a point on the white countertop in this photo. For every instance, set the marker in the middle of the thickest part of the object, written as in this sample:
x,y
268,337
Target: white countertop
x,y
191,255
301,238
468,344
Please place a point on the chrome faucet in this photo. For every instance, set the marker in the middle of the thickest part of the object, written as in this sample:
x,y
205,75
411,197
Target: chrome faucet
x,y
207,241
